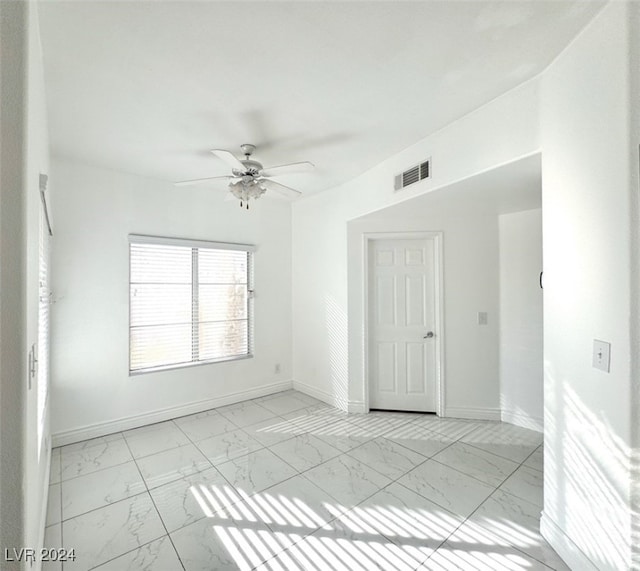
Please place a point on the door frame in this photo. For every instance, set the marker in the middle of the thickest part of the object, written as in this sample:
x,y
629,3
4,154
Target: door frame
x,y
368,238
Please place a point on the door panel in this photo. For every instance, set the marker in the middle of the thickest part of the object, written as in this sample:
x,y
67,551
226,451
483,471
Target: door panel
x,y
416,366
415,302
387,366
402,310
385,300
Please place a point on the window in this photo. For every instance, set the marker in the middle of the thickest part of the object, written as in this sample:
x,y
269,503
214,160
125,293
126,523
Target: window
x,y
42,348
190,302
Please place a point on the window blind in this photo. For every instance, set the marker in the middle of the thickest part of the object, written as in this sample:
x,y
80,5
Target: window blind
x,y
189,302
43,325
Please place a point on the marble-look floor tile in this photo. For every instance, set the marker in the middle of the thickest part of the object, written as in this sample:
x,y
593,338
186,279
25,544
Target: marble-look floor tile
x,y
113,437
473,548
304,451
420,439
245,413
343,511
310,419
54,474
525,483
506,440
195,416
284,561
272,431
341,548
227,446
484,466
377,425
263,398
536,459
343,435
225,544
399,414
517,523
256,471
347,480
453,428
297,506
412,522
514,452
164,467
93,455
453,490
316,409
284,404
154,438
158,555
204,425
54,505
52,540
192,498
386,457
123,526
98,489
308,399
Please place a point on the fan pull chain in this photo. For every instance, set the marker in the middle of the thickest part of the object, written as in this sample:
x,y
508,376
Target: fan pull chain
x,y
241,204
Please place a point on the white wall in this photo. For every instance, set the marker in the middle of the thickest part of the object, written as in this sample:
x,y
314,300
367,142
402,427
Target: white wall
x,y
470,269
589,159
325,319
96,210
13,77
521,377
24,143
634,211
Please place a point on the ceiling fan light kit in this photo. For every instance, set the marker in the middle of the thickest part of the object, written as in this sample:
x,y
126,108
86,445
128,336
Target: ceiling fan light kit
x,y
245,190
249,180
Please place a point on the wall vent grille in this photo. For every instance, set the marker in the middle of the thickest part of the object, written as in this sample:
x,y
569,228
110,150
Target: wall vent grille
x,y
413,175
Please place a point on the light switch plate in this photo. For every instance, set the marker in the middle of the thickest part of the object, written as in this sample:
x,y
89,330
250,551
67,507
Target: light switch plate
x,y
601,355
483,318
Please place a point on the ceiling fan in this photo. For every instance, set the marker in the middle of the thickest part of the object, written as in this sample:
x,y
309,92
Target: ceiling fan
x,y
249,179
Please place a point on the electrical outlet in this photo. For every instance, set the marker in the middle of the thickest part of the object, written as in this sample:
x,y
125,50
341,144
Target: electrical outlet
x,y
601,355
483,318
277,368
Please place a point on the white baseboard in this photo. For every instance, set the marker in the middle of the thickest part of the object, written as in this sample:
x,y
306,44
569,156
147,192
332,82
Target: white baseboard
x,y
356,407
523,420
472,413
127,423
330,398
320,394
571,554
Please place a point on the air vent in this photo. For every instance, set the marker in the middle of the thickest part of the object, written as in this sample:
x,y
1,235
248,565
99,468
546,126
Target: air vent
x,y
414,174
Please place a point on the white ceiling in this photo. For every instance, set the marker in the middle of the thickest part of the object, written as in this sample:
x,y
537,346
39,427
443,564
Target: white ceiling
x,y
149,87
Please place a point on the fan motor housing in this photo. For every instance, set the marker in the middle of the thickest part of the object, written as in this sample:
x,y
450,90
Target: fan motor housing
x,y
251,166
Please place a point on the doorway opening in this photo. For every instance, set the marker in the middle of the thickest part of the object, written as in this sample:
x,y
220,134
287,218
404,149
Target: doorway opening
x,y
404,334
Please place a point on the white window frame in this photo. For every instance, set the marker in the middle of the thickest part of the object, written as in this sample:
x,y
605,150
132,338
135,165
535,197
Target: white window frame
x,y
199,244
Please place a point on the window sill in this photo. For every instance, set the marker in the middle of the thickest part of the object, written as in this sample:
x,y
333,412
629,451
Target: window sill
x,y
188,365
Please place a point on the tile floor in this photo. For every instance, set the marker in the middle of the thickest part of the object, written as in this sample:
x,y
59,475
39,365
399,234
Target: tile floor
x,y
285,482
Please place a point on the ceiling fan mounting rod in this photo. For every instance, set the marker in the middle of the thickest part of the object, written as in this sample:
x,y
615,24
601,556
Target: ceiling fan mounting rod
x,y
247,149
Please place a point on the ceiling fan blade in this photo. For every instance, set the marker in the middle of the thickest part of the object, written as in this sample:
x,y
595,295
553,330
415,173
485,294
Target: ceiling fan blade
x,y
202,180
229,158
196,181
280,188
288,169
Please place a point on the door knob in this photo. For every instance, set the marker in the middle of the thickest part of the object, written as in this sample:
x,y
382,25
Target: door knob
x,y
429,335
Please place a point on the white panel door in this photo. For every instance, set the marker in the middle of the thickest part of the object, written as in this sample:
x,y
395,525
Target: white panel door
x,y
402,320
